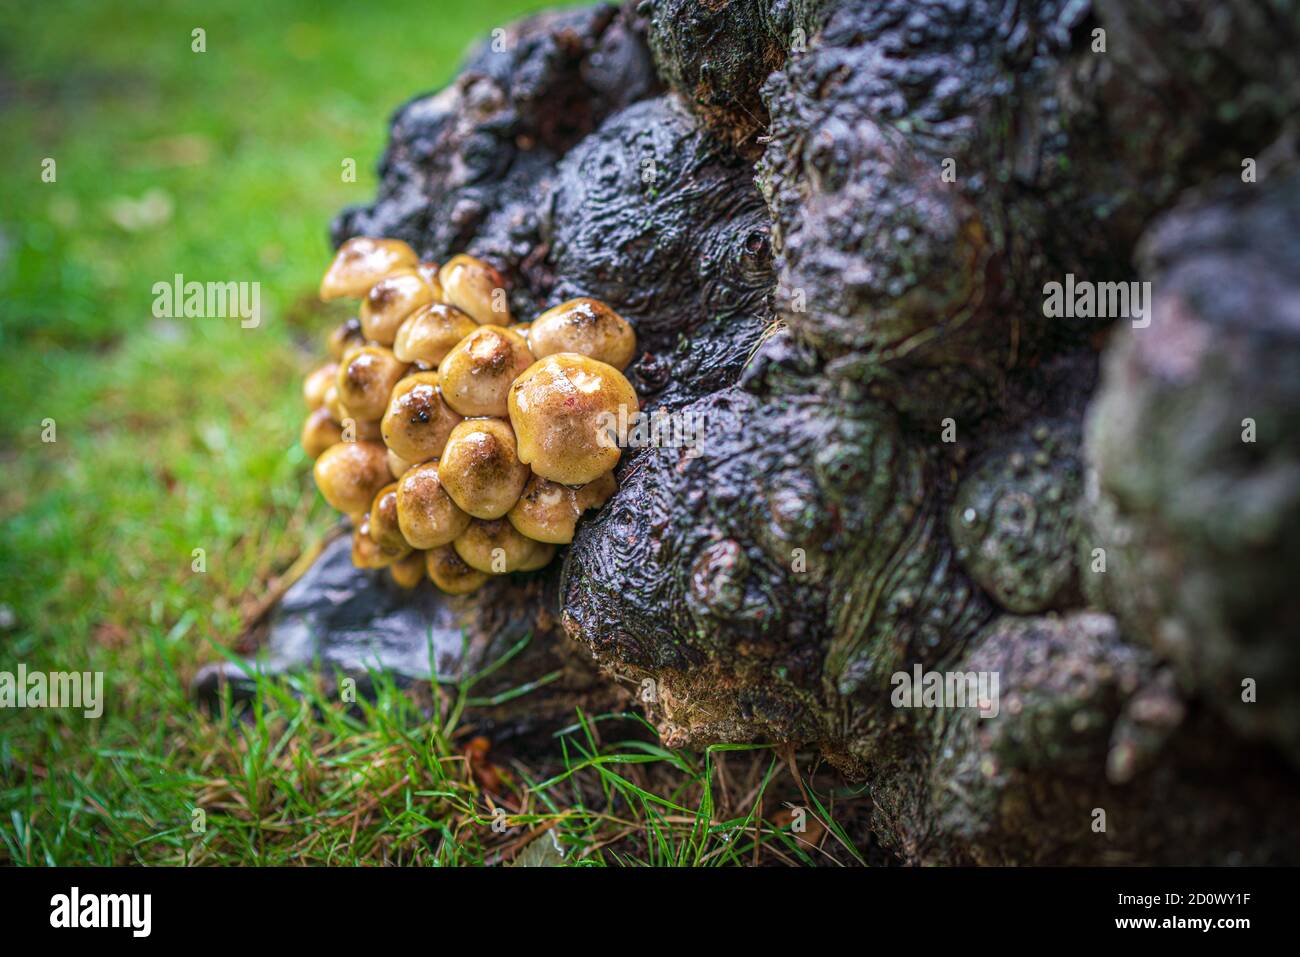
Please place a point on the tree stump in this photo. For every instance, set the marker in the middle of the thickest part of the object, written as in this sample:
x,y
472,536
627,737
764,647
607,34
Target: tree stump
x,y
837,229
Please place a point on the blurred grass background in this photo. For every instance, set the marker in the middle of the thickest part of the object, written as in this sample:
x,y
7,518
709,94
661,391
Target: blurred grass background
x,y
180,434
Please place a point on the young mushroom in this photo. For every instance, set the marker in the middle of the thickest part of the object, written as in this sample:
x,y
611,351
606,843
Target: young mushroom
x,y
477,373
475,288
317,383
540,557
345,336
390,301
585,326
496,548
384,527
549,512
429,273
319,432
365,380
425,512
350,474
397,465
363,430
361,262
409,571
418,422
430,332
353,428
449,572
366,553
565,411
480,467
333,406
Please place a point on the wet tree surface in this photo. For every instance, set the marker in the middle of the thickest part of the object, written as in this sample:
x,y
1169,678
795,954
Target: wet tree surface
x,y
832,225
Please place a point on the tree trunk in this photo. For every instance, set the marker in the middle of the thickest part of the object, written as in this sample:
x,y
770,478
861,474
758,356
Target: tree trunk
x,y
834,226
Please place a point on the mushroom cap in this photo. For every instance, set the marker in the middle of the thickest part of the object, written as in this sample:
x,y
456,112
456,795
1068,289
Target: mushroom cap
x,y
384,527
365,430
565,409
449,572
333,406
317,383
429,272
540,557
425,512
353,426
343,337
365,380
397,465
480,467
361,262
493,546
586,326
471,286
476,374
319,432
366,553
390,301
409,571
418,421
349,475
429,333
548,511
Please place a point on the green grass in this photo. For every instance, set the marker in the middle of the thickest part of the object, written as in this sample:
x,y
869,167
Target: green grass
x,y
173,435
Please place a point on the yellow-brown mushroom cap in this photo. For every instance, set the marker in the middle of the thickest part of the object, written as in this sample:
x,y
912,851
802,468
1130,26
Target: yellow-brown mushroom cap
x,y
480,467
449,572
349,475
429,333
390,301
418,422
365,380
548,511
409,571
353,427
317,383
475,288
345,336
495,547
477,373
319,432
429,270
397,465
566,410
361,262
360,430
333,406
367,553
540,557
586,326
384,527
425,512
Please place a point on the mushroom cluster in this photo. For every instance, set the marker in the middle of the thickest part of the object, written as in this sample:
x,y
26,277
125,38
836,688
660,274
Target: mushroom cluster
x,y
460,443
